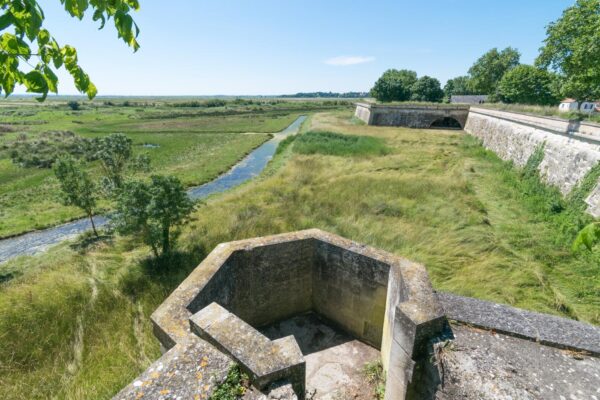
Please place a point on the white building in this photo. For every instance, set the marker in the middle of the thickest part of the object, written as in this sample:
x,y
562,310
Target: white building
x,y
568,105
586,107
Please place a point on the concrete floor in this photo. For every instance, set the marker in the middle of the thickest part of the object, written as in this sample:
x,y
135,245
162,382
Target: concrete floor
x,y
334,360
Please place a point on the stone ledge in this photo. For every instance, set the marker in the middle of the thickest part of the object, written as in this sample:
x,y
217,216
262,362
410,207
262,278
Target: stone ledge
x,y
264,360
543,328
190,370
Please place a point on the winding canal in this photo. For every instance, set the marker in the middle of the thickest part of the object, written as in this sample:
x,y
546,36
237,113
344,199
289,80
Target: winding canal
x,y
252,165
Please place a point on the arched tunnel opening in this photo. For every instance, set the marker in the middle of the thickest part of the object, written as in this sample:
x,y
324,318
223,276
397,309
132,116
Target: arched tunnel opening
x,y
446,123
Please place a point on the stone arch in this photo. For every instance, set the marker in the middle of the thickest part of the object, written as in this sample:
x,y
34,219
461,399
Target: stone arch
x,y
446,123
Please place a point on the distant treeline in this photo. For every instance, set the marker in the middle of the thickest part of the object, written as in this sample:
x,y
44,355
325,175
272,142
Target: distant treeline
x,y
328,95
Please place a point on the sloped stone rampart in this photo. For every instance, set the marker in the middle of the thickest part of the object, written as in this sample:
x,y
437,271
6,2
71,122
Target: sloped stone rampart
x,y
409,115
571,149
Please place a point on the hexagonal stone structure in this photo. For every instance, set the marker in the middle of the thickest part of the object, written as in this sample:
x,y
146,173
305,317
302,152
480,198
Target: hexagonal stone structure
x,y
377,297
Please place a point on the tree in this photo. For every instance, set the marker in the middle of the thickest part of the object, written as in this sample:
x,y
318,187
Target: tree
x,y
427,89
487,71
77,187
527,84
394,85
571,49
114,152
458,85
25,39
152,210
73,105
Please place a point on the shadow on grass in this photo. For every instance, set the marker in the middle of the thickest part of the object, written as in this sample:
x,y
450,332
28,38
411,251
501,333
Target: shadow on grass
x,y
89,241
162,273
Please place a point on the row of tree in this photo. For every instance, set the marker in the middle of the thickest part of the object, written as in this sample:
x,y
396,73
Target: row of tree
x,y
151,210
403,85
568,66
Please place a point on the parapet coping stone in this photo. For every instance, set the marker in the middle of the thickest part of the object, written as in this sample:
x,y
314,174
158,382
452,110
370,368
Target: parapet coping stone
x,y
582,137
187,371
409,106
266,361
545,329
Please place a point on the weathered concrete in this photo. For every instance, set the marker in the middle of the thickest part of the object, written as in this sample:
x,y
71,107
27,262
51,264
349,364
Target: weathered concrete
x,y
378,297
411,116
335,360
264,361
483,365
192,368
542,328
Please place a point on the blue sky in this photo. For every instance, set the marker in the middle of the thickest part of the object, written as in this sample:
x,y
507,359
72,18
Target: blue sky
x,y
242,47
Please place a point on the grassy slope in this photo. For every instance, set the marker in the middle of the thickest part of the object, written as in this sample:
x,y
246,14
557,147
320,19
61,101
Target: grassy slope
x,y
75,324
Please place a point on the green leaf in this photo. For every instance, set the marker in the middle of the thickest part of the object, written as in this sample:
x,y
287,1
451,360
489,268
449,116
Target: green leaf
x,y
6,20
35,82
588,237
51,79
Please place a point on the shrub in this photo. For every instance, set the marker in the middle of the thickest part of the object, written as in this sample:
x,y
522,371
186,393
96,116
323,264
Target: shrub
x,y
74,105
43,151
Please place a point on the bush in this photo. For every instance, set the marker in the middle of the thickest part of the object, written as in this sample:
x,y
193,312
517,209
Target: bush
x,y
45,150
74,105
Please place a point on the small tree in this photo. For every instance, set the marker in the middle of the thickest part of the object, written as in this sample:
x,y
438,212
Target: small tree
x,y
458,85
77,187
114,152
73,105
527,84
427,89
487,71
152,211
394,85
571,49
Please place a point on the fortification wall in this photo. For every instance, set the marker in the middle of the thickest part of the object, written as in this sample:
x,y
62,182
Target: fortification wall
x,y
410,115
571,149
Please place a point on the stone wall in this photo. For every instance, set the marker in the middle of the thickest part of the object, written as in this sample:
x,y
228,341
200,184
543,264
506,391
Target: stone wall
x,y
411,116
255,287
571,149
350,290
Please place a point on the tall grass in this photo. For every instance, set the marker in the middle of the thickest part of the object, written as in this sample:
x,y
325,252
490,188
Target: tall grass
x,y
330,143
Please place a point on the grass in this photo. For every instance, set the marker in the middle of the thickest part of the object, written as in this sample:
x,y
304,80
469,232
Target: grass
x,y
335,144
234,386
194,144
376,376
74,322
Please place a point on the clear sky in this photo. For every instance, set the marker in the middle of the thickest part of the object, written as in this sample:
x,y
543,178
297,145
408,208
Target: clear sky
x,y
253,47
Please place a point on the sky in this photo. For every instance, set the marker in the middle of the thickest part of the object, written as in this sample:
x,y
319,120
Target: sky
x,y
271,47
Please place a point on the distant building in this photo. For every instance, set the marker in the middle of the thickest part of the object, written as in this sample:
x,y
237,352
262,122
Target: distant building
x,y
573,105
469,99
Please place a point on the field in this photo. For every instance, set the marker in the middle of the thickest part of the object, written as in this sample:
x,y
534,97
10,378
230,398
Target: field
x,y
195,143
74,322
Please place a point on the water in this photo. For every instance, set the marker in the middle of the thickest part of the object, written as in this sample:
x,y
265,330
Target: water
x,y
248,168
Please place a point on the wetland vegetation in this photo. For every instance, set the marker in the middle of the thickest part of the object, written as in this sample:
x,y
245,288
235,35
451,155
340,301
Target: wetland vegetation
x,y
75,321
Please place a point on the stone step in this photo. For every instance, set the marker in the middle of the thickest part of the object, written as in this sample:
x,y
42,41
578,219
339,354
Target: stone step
x,y
264,360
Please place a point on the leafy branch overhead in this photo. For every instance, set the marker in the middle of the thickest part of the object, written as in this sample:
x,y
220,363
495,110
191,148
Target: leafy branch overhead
x,y
29,54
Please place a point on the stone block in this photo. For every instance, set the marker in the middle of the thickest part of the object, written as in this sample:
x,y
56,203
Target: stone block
x,y
265,361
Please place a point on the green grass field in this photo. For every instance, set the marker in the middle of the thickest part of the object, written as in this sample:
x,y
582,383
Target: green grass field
x,y
74,322
195,144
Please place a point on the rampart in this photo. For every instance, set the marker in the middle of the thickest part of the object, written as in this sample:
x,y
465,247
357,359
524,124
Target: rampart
x,y
570,149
